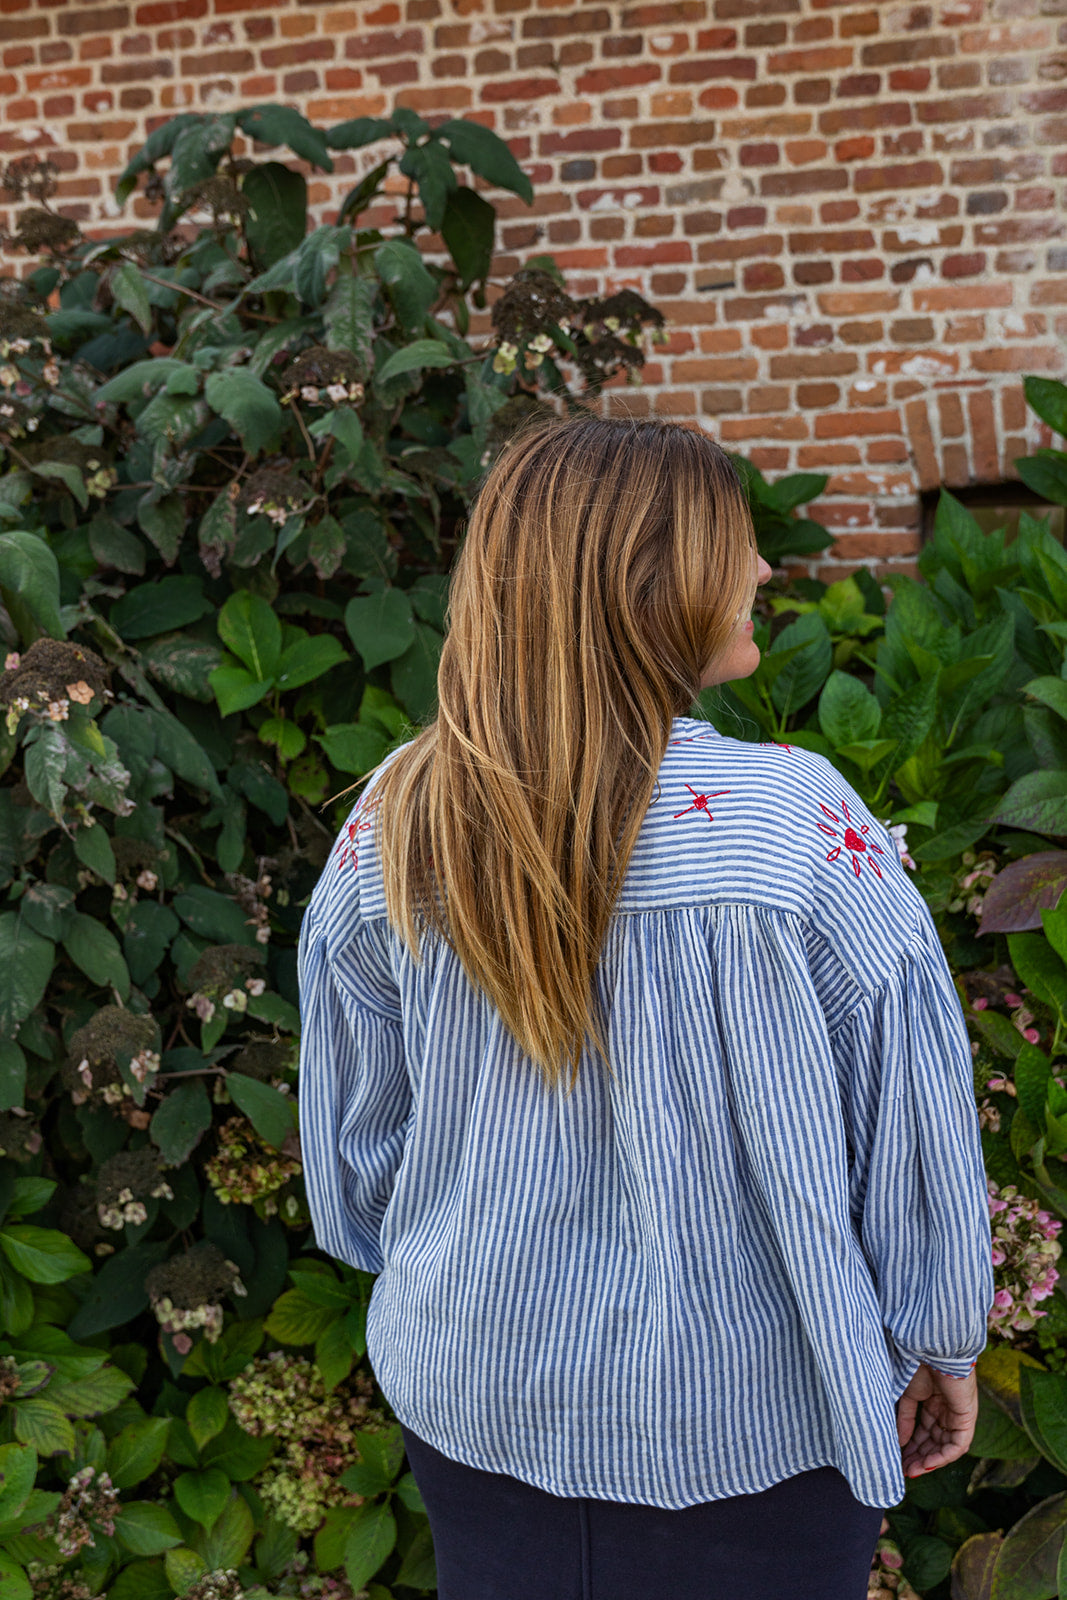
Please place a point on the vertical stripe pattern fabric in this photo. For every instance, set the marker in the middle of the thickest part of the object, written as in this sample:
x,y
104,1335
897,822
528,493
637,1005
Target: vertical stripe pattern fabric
x,y
717,1267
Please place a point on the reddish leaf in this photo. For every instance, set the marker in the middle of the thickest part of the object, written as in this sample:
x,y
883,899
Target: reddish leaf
x,y
1020,890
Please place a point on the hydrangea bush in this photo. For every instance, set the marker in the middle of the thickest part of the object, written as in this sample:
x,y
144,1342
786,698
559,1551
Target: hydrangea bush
x,y
237,456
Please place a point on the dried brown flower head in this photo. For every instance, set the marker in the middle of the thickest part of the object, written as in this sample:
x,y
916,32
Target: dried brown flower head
x,y
47,667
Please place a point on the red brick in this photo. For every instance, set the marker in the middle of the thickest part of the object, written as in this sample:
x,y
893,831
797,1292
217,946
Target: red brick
x,y
602,80
973,297
92,19
842,424
700,69
895,52
792,62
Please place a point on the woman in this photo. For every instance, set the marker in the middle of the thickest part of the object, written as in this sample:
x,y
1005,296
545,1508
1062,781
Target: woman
x,y
632,1065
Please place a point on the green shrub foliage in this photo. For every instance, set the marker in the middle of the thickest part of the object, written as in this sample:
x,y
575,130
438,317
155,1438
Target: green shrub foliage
x,y
237,456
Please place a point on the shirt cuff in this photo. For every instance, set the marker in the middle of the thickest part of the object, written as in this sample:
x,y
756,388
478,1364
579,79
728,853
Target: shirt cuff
x,y
958,1369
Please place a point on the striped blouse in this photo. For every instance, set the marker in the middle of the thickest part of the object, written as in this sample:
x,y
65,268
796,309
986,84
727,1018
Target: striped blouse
x,y
719,1266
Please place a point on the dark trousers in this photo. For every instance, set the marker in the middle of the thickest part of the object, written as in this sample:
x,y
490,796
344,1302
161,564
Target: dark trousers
x,y
495,1538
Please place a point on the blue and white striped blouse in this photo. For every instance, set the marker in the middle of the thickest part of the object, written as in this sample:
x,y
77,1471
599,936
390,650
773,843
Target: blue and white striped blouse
x,y
720,1266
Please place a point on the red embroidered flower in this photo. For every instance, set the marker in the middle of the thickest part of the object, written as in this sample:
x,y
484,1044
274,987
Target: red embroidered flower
x,y
853,841
700,803
347,844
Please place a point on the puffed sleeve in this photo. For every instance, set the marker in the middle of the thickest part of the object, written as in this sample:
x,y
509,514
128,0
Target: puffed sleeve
x,y
917,1183
354,1097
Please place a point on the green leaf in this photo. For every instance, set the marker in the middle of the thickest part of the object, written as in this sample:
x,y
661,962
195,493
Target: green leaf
x,y
154,608
1043,1398
93,849
182,664
807,670
413,676
140,380
353,746
381,1455
1048,398
1032,1078
468,228
41,1424
183,1568
307,659
1040,969
411,287
18,1473
432,171
161,518
414,357
349,318
226,1545
360,131
272,1008
29,573
250,408
238,1454
275,124
95,950
368,553
486,154
150,929
331,1537
848,711
202,1495
178,750
380,626
408,1492
1051,692
118,1293
1046,474
131,292
112,545
14,1583
248,626
334,1355
294,1319
371,1537
181,1121
140,1580
236,689
70,476
99,1391
909,717
213,916
418,1570
207,1414
26,962
145,1529
269,1112
288,739
12,1074
1027,1564
42,1254
137,1450
29,1195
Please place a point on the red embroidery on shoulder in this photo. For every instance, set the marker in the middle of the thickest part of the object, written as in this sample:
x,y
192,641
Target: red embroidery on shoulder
x,y
700,803
773,744
853,842
347,844
689,738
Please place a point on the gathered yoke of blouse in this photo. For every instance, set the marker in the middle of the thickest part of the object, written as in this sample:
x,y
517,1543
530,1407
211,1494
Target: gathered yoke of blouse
x,y
718,1266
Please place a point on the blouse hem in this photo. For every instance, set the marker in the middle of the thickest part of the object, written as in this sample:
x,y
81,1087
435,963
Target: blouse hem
x,y
590,1491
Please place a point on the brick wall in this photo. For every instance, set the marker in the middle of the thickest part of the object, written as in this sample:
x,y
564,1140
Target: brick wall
x,y
850,211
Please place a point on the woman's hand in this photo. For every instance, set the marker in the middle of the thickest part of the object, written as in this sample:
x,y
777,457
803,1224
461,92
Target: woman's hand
x,y
936,1417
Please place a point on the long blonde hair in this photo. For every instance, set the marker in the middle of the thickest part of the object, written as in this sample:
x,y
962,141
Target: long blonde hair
x,y
602,570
